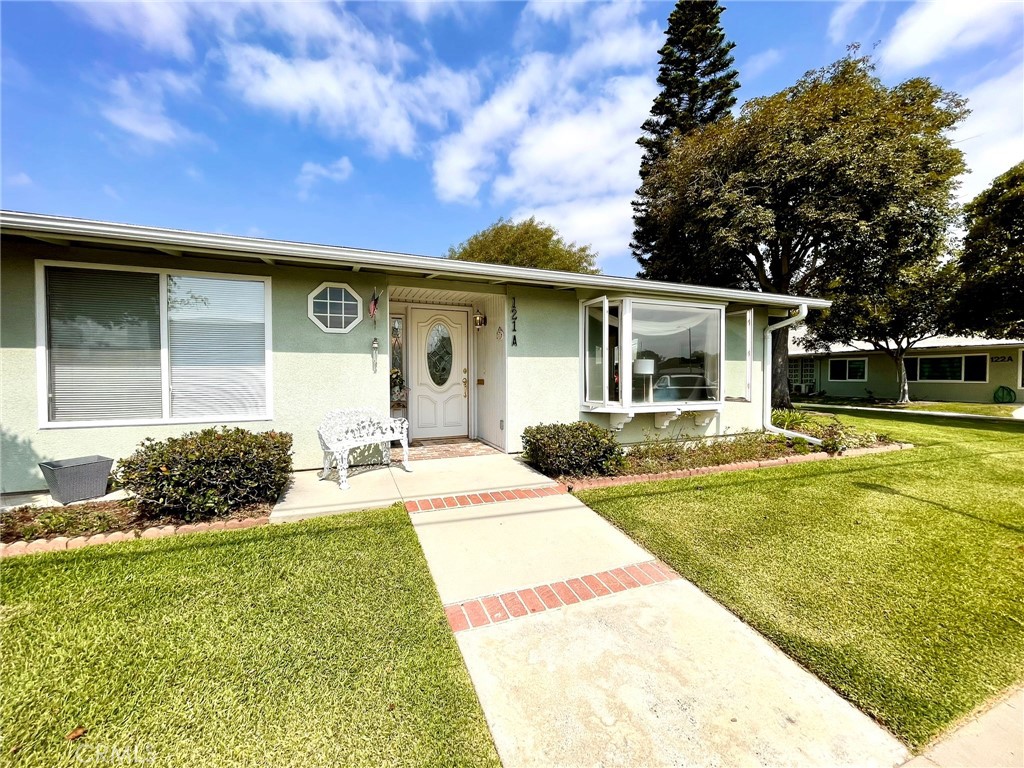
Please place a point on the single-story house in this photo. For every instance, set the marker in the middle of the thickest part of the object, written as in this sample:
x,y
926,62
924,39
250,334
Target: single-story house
x,y
112,333
967,369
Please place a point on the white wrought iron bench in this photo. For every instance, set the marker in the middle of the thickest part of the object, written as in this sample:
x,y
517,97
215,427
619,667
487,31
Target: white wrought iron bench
x,y
343,430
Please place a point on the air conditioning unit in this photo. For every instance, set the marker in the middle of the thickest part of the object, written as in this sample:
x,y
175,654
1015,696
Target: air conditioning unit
x,y
801,389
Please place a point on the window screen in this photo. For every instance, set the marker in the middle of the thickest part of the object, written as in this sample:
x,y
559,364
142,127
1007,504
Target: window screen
x,y
975,367
910,366
103,335
217,347
941,368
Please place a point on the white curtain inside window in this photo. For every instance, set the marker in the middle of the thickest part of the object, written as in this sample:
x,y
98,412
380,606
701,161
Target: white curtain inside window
x,y
103,330
217,334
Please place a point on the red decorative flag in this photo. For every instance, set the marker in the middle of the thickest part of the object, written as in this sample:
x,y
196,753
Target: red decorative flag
x,y
373,306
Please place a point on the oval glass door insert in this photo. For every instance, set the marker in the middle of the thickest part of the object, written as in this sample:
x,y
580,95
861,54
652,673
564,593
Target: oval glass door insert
x,y
439,354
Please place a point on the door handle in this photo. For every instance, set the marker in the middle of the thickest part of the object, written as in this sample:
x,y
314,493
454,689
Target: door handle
x,y
465,387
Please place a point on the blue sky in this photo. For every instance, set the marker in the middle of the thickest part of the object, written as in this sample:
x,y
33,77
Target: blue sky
x,y
408,126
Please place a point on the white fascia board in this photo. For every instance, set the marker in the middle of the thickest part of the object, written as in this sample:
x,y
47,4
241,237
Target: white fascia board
x,y
42,225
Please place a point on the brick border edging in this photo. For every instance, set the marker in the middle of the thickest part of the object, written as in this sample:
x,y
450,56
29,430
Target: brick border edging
x,y
475,499
603,482
62,543
494,609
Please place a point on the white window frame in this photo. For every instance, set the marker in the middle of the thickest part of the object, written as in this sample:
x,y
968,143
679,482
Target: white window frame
x,y
1020,369
626,357
963,369
847,359
347,287
43,359
749,386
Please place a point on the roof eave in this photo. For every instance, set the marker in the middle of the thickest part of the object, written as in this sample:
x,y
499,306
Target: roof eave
x,y
59,227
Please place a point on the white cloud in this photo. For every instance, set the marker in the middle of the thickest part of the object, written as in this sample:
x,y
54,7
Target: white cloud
x,y
138,105
932,30
158,26
20,179
346,95
992,137
110,192
841,18
557,137
311,173
760,63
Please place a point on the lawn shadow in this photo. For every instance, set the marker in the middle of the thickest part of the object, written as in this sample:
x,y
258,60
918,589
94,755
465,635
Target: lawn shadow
x,y
879,488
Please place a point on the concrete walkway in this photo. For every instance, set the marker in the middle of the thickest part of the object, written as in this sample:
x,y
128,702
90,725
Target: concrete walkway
x,y
381,486
992,739
584,651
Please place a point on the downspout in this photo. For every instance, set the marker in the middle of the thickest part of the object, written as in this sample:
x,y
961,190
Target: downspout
x,y
766,403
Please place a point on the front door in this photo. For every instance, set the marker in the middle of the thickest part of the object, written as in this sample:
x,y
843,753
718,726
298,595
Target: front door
x,y
438,361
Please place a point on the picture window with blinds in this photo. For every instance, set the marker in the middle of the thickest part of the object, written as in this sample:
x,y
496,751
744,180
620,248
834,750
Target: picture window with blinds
x,y
125,346
335,307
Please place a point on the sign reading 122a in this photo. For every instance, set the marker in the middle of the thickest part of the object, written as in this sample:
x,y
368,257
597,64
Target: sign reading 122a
x,y
1002,358
514,315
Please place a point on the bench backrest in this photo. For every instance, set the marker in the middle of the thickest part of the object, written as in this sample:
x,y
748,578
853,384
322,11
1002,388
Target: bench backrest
x,y
358,426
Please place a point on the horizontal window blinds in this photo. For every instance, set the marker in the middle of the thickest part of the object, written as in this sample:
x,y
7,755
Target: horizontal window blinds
x,y
216,333
104,344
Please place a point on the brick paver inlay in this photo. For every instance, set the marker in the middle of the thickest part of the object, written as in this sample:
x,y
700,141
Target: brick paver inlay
x,y
494,609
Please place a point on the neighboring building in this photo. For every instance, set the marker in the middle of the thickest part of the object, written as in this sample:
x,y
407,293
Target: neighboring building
x,y
113,333
945,368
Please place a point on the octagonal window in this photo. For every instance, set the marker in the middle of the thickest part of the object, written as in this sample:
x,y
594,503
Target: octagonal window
x,y
335,307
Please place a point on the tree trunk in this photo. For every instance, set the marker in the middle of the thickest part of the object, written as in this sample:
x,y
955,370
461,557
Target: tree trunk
x,y
780,369
901,376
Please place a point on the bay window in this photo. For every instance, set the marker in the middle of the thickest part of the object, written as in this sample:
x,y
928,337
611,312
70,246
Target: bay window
x,y
120,346
648,353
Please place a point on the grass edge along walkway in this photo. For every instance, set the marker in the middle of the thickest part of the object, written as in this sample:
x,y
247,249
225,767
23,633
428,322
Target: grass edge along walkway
x,y
896,579
319,643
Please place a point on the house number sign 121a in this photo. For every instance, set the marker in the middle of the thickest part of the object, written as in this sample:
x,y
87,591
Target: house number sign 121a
x,y
514,316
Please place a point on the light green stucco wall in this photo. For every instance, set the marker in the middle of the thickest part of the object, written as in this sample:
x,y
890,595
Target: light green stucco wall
x,y
543,368
313,371
882,378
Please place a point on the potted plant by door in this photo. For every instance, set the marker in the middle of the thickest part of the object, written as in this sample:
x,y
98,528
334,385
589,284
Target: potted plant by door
x,y
77,479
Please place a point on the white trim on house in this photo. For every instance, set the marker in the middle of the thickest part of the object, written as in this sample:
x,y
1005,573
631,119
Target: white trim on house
x,y
42,348
847,360
1020,368
271,251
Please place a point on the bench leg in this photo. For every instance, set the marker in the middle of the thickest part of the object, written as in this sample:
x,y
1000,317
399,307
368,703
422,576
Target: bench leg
x,y
405,453
342,457
327,465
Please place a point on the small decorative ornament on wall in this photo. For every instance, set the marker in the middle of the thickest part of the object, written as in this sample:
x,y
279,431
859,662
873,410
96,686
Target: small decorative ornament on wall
x,y
514,316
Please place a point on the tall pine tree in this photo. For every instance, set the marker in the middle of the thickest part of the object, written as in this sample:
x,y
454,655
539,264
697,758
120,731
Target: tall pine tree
x,y
697,82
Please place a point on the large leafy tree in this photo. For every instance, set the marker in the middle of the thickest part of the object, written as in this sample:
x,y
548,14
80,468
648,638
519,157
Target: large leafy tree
x,y
831,182
527,243
991,301
697,82
893,314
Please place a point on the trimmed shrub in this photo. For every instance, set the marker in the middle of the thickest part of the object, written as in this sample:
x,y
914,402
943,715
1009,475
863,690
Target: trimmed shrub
x,y
579,449
204,474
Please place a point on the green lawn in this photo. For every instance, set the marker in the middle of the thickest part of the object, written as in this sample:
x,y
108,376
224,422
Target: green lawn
x,y
310,644
976,409
896,578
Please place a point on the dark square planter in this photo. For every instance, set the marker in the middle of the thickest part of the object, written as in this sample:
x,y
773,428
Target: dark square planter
x,y
77,479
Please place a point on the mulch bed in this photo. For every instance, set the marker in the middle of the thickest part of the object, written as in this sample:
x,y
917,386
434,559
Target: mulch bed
x,y
92,517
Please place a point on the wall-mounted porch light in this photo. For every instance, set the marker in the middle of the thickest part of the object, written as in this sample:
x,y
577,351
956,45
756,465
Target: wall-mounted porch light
x,y
479,319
